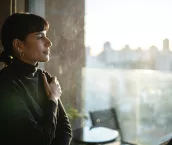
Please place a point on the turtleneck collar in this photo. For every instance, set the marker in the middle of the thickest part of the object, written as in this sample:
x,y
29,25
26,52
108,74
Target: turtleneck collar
x,y
24,69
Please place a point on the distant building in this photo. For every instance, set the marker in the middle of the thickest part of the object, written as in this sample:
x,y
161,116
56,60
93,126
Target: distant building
x,y
127,58
166,45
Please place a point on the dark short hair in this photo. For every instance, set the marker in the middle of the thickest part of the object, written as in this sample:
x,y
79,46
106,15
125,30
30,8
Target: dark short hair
x,y
19,26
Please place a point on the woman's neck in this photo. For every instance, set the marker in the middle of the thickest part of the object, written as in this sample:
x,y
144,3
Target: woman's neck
x,y
28,62
24,68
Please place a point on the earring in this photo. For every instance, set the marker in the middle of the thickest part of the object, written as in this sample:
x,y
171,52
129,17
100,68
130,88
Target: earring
x,y
21,53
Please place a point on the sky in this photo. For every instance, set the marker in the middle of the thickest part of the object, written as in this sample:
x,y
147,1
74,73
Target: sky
x,y
138,23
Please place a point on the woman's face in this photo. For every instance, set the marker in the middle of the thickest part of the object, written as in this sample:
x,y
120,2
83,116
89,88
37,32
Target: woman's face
x,y
36,48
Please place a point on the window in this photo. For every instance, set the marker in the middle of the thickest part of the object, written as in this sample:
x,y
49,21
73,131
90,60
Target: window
x,y
128,64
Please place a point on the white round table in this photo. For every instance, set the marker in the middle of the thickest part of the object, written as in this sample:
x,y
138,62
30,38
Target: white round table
x,y
95,135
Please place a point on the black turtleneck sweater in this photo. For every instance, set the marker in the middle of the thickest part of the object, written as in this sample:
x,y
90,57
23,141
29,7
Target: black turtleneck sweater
x,y
27,117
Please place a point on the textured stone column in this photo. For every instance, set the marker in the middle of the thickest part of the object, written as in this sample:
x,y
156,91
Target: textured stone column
x,y
66,18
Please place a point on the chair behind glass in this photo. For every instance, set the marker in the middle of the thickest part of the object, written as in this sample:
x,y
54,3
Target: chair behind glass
x,y
107,118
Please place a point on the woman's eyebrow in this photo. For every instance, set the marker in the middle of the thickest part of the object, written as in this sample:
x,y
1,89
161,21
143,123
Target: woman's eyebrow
x,y
40,33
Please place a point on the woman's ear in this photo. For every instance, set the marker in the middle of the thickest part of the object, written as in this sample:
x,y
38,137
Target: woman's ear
x,y
17,45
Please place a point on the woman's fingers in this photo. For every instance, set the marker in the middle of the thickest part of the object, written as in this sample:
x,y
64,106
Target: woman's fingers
x,y
52,89
54,80
46,85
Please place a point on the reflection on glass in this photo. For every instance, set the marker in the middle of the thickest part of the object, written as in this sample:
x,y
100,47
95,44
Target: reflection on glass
x,y
142,100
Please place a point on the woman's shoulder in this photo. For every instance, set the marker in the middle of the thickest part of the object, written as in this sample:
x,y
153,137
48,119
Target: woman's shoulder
x,y
7,76
8,87
6,73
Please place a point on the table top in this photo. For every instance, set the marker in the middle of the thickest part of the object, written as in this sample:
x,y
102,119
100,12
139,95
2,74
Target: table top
x,y
95,135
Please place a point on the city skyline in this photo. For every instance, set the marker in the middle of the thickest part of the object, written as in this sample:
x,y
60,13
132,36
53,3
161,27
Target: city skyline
x,y
138,23
165,46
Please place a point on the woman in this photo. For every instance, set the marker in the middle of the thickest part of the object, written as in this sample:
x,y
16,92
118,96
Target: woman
x,y
31,112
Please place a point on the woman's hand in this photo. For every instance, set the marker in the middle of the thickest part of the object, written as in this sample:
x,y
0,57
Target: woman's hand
x,y
52,89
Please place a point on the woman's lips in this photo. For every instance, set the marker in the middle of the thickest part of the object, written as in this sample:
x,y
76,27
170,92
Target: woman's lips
x,y
47,52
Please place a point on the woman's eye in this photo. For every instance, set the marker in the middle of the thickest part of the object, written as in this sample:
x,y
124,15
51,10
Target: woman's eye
x,y
40,37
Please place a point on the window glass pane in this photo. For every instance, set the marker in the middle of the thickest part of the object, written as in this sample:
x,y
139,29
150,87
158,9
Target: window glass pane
x,y
129,64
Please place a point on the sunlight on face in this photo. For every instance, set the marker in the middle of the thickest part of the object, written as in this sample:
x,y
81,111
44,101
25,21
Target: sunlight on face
x,y
36,48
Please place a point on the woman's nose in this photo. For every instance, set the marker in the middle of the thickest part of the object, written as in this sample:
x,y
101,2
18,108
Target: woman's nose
x,y
48,42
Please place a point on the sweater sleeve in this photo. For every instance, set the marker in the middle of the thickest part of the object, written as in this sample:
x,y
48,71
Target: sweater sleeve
x,y
63,129
18,126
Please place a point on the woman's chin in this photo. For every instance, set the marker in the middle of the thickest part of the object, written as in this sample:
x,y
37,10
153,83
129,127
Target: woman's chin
x,y
45,59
